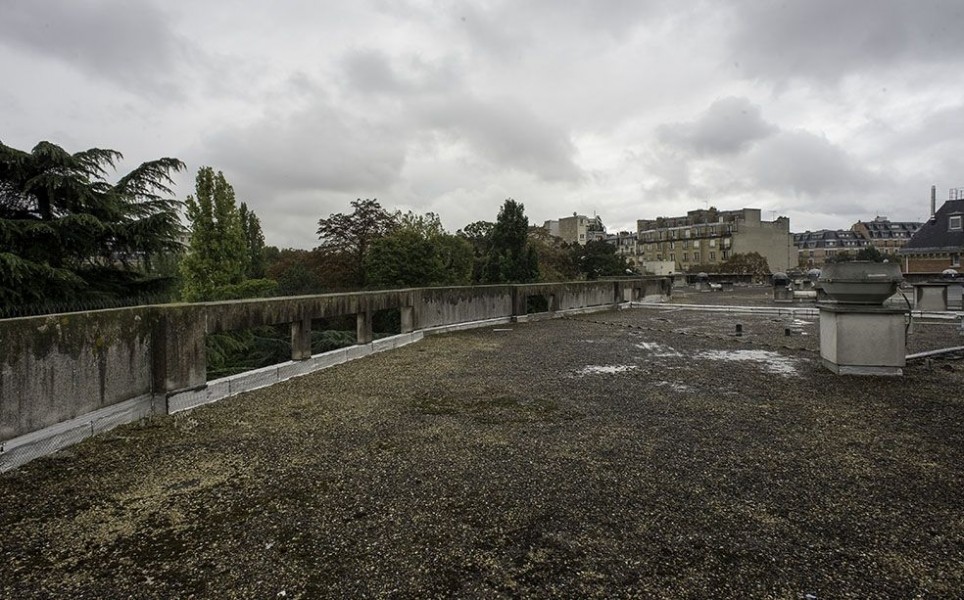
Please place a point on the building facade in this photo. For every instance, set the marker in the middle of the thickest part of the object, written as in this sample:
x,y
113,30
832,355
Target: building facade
x,y
815,248
580,229
711,237
939,243
887,236
626,245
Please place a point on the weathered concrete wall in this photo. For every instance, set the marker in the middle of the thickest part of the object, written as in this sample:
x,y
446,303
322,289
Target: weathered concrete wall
x,y
240,314
58,367
569,296
446,306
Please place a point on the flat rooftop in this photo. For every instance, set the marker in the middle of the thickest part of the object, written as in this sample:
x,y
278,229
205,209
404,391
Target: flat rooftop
x,y
635,453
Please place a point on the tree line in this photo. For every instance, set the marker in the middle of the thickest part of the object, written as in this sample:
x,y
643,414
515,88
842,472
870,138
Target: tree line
x,y
72,239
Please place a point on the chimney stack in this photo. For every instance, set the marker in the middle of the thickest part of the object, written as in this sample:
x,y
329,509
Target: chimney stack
x,y
933,200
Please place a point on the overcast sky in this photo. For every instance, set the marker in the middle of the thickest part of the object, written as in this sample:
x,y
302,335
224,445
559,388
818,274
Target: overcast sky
x,y
824,111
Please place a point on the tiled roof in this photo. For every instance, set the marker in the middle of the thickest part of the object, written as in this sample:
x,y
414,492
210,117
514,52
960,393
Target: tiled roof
x,y
824,237
936,232
885,229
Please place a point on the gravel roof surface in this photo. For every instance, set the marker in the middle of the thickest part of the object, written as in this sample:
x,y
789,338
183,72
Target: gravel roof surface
x,y
630,454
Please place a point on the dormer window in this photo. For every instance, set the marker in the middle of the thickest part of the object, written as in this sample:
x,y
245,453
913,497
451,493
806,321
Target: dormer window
x,y
955,223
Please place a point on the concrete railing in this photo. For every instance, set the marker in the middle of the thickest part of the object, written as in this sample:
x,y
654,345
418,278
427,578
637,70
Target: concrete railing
x,y
68,376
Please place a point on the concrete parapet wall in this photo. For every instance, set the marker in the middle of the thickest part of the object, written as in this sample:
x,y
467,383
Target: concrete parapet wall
x,y
72,375
59,367
437,307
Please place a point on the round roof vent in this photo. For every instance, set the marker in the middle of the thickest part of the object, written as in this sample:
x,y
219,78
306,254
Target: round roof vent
x,y
860,282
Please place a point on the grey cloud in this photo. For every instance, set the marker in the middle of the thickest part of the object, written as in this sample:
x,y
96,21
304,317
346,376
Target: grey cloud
x,y
943,127
507,30
828,39
368,71
802,163
372,71
615,18
130,43
319,148
508,134
431,98
728,126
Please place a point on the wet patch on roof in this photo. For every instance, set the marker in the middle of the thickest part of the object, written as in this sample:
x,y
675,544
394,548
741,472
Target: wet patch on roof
x,y
768,360
676,386
658,350
605,369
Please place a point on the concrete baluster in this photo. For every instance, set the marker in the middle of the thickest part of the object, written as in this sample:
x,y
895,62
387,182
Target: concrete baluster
x,y
178,353
364,333
408,319
301,339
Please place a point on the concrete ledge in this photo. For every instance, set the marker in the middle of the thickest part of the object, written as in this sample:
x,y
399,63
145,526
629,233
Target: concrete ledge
x,y
532,317
466,325
226,387
763,310
862,370
190,399
48,440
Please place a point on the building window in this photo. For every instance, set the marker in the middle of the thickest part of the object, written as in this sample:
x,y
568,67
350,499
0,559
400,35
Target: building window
x,y
712,255
686,257
696,257
955,222
955,259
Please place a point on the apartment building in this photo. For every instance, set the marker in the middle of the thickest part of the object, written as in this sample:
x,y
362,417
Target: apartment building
x,y
711,236
887,236
815,248
626,245
939,243
580,229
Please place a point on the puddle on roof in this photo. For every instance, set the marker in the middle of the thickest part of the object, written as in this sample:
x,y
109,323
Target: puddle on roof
x,y
675,386
659,350
769,361
605,369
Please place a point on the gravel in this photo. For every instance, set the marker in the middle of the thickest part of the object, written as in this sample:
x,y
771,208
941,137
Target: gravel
x,y
628,454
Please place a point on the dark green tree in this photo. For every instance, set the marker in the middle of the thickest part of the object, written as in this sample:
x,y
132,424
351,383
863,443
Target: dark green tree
x,y
510,258
253,240
556,260
67,234
418,252
840,257
599,259
216,255
403,259
870,253
751,263
352,234
479,236
217,263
